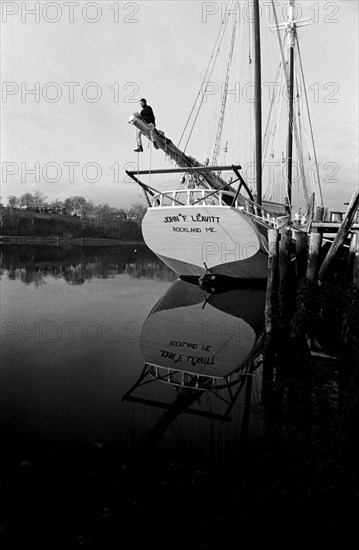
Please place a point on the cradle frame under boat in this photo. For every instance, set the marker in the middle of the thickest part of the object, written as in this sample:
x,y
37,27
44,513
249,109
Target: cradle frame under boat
x,y
200,383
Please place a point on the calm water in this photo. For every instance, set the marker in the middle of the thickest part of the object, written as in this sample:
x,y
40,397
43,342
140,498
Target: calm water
x,y
126,403
79,327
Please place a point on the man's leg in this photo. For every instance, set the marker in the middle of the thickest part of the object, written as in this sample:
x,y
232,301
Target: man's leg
x,y
152,134
139,141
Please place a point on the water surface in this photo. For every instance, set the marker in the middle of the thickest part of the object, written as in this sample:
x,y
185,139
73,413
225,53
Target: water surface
x,y
107,358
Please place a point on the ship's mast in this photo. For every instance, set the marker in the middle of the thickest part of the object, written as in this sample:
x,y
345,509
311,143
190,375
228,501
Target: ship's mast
x,y
258,101
291,30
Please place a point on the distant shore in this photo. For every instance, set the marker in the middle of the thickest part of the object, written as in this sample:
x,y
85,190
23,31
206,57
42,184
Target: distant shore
x,y
52,240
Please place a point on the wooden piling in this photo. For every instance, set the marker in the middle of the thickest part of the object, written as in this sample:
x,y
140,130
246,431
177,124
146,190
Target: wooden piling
x,y
301,251
268,367
315,243
273,238
320,213
284,251
284,264
341,235
349,271
356,261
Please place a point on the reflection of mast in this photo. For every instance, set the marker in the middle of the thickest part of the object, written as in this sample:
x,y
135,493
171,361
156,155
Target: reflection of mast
x,y
192,392
182,403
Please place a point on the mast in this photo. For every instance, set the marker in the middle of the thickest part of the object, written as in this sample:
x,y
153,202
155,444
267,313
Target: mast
x,y
258,100
291,30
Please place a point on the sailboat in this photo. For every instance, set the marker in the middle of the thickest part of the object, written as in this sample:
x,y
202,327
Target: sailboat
x,y
211,225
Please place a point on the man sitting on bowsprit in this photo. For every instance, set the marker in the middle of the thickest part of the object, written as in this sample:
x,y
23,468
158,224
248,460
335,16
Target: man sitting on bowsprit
x,y
149,117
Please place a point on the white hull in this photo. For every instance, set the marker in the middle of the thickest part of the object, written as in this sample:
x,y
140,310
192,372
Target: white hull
x,y
221,239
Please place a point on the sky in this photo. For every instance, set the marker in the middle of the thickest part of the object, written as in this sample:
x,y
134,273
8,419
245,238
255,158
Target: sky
x,y
73,72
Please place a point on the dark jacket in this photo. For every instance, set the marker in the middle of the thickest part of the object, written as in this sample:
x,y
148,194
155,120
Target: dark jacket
x,y
147,115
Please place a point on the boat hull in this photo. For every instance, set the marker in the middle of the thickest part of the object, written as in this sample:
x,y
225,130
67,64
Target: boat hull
x,y
194,239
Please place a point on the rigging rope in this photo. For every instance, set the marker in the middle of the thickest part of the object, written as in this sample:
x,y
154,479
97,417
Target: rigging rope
x,y
224,98
310,125
273,103
292,123
300,145
221,30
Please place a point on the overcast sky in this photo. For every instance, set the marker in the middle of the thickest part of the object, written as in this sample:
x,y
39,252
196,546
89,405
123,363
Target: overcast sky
x,y
73,72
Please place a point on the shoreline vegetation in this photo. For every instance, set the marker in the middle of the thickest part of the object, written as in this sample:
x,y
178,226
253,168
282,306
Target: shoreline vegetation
x,y
65,241
101,226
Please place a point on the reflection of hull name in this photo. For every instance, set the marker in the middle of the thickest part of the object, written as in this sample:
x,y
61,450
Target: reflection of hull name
x,y
200,360
183,344
179,357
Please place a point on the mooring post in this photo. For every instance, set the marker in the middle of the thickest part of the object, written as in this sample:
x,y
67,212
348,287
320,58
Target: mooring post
x,y
284,251
301,252
356,260
284,273
284,297
268,367
315,243
341,235
273,238
320,213
349,270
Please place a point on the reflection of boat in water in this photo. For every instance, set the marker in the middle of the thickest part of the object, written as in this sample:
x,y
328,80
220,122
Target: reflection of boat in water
x,y
202,343
210,338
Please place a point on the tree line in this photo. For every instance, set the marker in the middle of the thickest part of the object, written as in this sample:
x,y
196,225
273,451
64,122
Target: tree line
x,y
74,216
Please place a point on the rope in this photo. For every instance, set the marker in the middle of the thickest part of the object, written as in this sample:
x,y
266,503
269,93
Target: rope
x,y
223,28
272,135
203,79
292,124
149,173
310,125
224,97
269,119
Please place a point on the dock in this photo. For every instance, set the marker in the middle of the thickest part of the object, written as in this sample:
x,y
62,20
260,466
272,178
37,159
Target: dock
x,y
311,270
